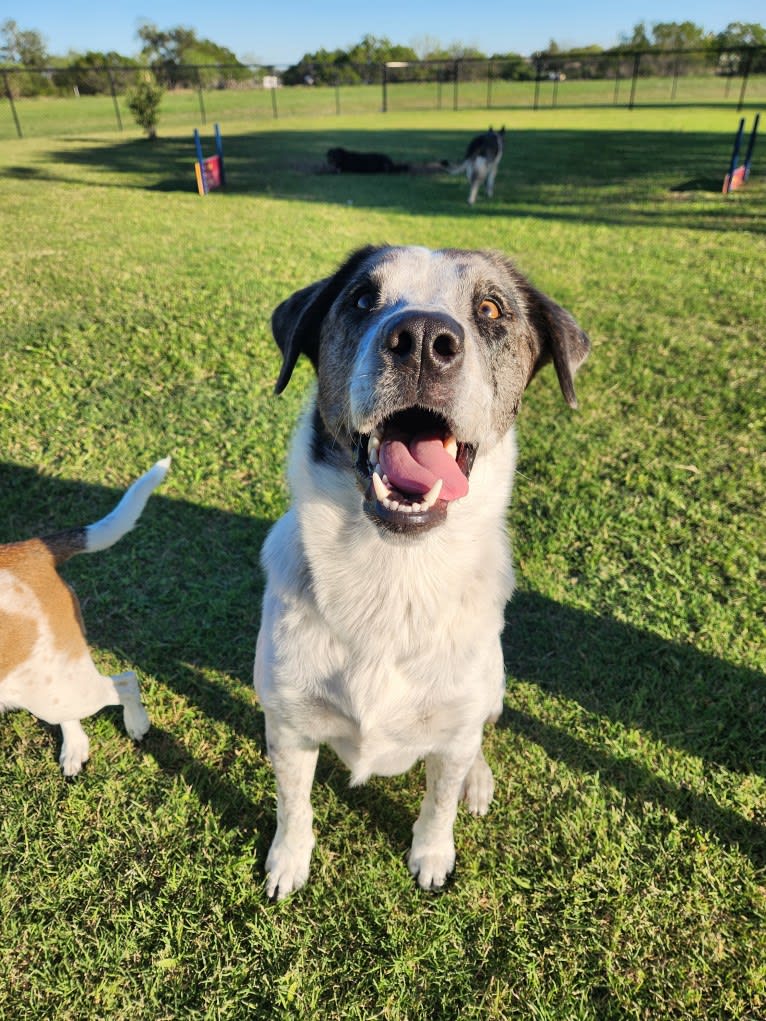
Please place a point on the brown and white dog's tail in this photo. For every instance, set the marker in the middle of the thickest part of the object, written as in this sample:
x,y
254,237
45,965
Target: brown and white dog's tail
x,y
106,532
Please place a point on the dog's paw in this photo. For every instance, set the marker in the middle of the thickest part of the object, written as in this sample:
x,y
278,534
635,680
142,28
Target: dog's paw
x,y
136,721
287,869
478,788
75,752
431,866
133,713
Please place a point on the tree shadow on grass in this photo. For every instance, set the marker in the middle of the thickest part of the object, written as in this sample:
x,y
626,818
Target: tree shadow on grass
x,y
180,599
619,178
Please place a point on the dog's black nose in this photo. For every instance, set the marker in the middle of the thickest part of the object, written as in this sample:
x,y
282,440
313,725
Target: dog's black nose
x,y
426,341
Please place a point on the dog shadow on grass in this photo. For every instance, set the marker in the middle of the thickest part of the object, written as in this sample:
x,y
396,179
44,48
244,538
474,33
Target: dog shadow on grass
x,y
678,696
179,600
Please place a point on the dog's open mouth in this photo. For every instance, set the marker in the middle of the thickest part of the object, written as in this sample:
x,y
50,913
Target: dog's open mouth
x,y
411,468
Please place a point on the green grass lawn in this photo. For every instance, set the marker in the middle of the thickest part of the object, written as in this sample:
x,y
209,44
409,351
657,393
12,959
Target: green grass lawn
x,y
622,870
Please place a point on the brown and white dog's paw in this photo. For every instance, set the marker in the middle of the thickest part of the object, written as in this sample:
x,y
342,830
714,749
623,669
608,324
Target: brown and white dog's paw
x,y
75,751
134,715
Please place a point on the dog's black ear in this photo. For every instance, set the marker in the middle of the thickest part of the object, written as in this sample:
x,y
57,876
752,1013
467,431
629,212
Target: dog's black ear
x,y
297,322
561,339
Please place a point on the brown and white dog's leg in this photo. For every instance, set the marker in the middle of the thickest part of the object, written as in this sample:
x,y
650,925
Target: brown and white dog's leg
x,y
133,713
99,692
287,863
75,749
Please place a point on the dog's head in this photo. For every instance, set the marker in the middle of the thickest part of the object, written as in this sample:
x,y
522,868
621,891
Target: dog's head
x,y
335,158
422,358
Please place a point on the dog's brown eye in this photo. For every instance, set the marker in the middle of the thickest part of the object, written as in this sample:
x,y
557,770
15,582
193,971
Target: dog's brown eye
x,y
489,309
365,301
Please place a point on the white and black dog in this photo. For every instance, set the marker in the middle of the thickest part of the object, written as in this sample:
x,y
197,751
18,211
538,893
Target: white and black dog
x,y
388,576
482,159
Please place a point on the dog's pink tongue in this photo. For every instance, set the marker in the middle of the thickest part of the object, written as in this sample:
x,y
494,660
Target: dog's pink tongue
x,y
415,467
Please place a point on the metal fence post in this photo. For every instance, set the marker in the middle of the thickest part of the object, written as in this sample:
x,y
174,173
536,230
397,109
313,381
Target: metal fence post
x,y
114,99
538,76
202,113
384,81
9,94
636,64
456,85
489,84
745,76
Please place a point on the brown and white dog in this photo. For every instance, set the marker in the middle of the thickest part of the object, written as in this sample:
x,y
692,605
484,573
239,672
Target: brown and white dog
x,y
387,578
45,663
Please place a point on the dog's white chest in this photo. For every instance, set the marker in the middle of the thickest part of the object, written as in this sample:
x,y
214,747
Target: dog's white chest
x,y
380,719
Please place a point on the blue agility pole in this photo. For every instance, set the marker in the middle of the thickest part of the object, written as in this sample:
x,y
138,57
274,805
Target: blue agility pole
x,y
751,146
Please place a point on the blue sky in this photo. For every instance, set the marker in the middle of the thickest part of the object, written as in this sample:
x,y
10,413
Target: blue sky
x,y
281,31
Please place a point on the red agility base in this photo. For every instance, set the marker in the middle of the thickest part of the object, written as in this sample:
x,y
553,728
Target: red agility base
x,y
738,175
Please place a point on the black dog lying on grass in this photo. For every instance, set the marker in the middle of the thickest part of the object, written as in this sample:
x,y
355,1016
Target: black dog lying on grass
x,y
344,161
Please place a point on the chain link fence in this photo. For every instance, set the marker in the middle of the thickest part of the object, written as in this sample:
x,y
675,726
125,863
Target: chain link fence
x,y
40,101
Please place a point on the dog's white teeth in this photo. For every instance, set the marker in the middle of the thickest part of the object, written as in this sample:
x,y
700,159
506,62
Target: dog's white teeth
x,y
382,491
393,500
432,495
450,445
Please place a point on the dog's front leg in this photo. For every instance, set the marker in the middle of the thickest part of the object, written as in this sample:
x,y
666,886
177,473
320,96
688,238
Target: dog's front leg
x,y
432,856
287,864
75,749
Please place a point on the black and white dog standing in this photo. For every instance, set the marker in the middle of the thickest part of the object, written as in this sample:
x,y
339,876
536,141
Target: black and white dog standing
x,y
482,159
388,576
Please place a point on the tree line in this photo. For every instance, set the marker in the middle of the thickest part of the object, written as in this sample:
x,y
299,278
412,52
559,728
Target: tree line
x,y
176,57
179,59
363,62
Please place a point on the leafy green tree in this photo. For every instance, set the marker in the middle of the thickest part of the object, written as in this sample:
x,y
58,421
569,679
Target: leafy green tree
x,y
360,63
684,35
22,46
173,54
638,40
741,33
144,103
512,67
86,72
739,37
